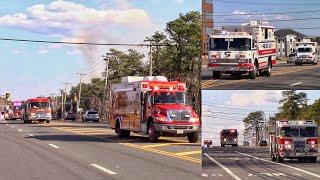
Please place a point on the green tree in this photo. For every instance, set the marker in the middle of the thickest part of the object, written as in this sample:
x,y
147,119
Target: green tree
x,y
292,104
312,112
253,124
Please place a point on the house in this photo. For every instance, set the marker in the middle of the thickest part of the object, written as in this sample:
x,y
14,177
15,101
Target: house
x,y
286,40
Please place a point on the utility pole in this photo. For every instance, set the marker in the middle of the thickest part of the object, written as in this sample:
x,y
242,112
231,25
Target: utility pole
x,y
150,56
106,58
79,98
65,96
62,100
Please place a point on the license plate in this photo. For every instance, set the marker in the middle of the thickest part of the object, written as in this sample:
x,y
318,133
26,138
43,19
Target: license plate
x,y
179,131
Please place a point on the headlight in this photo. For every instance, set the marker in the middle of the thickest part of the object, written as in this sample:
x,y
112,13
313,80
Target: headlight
x,y
194,119
235,140
287,146
48,114
33,114
161,118
225,139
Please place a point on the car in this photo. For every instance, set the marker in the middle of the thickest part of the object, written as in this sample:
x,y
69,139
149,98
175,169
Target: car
x,y
90,115
246,143
71,116
291,58
263,143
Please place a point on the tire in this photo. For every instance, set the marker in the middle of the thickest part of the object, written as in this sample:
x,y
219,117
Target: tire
x,y
279,159
254,73
222,145
216,75
152,133
313,159
47,121
267,73
193,137
120,132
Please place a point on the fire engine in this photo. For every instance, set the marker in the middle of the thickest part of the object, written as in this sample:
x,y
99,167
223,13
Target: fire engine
x,y
248,48
307,53
229,137
152,106
37,109
207,143
15,110
294,140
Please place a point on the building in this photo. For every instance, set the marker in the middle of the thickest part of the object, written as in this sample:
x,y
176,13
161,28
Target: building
x,y
207,24
286,40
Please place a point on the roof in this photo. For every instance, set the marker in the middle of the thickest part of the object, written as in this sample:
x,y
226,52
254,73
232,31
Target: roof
x,y
284,32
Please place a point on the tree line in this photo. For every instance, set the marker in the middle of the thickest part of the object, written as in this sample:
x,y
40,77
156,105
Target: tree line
x,y
177,59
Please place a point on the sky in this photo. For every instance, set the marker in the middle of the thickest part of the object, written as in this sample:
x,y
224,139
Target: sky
x,y
226,109
262,7
34,69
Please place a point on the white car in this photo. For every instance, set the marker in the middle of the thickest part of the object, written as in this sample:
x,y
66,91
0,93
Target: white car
x,y
291,59
90,115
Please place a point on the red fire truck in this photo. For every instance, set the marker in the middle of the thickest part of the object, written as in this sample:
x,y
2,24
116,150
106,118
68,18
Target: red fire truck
x,y
152,106
37,109
294,140
15,112
229,137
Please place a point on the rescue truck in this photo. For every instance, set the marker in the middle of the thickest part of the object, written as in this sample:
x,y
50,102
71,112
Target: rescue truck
x,y
207,143
307,53
229,137
37,109
16,112
246,49
294,140
152,106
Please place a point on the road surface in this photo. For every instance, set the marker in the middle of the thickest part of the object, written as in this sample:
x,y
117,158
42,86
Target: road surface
x,y
74,150
253,163
284,76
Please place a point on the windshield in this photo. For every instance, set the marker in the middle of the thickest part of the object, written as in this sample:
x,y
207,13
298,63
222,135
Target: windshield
x,y
92,112
230,44
39,104
289,132
304,50
229,134
169,98
308,132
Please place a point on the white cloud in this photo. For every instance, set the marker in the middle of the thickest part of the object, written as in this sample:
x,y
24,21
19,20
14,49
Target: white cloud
x,y
179,1
254,98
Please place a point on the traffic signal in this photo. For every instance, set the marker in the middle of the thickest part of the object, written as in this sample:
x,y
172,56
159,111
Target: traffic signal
x,y
8,96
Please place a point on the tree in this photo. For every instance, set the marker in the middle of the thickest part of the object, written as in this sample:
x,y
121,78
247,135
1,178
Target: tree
x,y
254,123
312,112
292,103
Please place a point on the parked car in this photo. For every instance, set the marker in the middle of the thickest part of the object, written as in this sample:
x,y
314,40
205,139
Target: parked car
x,y
90,115
71,116
246,143
291,58
263,143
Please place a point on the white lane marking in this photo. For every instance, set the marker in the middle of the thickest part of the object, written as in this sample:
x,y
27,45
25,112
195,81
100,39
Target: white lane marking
x,y
12,126
292,167
54,146
30,135
223,167
204,175
296,84
103,169
20,130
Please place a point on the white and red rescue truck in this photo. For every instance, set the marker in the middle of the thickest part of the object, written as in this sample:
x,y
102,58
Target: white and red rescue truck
x,y
207,143
152,106
229,137
16,110
249,48
307,53
37,109
294,140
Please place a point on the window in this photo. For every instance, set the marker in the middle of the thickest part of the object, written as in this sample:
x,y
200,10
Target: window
x,y
291,40
208,15
299,40
209,31
278,40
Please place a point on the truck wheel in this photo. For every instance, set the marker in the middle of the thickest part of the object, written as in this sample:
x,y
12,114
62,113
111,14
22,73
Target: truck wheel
x,y
152,133
253,73
268,71
47,121
216,75
279,159
272,157
193,137
120,132
222,145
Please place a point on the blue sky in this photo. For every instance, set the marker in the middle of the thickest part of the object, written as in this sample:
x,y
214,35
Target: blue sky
x,y
226,109
271,6
30,69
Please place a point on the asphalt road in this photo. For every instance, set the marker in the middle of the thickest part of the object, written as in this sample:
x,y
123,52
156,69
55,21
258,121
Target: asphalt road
x,y
75,150
284,76
253,163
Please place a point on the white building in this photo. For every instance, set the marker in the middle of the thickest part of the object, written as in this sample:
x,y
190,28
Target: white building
x,y
286,40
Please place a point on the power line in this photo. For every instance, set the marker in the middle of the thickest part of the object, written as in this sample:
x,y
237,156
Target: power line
x,y
90,43
262,3
274,20
271,13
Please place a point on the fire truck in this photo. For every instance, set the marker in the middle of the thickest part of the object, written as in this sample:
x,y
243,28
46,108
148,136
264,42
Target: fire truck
x,y
246,49
152,106
294,140
307,53
229,137
37,109
16,112
207,143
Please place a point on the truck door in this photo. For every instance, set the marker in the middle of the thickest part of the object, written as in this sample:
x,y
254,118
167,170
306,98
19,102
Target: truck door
x,y
135,120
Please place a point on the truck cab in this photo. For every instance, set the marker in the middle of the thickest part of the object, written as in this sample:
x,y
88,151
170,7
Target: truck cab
x,y
307,53
152,106
294,140
229,137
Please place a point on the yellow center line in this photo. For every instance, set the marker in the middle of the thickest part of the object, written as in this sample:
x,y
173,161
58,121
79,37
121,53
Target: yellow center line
x,y
189,153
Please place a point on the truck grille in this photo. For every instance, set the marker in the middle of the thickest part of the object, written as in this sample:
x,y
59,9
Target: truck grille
x,y
180,115
41,115
299,145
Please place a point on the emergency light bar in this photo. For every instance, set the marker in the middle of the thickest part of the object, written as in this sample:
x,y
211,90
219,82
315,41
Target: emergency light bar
x,y
294,122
